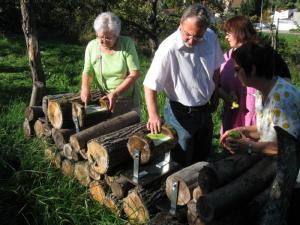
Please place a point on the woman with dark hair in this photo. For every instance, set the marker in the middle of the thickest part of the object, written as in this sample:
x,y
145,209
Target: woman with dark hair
x,y
277,104
239,30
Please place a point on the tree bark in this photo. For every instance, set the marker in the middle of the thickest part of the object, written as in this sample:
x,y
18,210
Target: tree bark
x,y
61,136
109,151
59,109
282,187
140,203
87,118
79,140
32,113
237,192
187,178
120,187
217,174
35,63
28,128
148,148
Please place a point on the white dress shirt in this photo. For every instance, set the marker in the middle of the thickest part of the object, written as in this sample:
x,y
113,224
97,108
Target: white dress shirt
x,y
185,74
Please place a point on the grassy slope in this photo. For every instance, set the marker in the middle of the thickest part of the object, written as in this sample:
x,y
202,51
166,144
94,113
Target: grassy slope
x,y
31,191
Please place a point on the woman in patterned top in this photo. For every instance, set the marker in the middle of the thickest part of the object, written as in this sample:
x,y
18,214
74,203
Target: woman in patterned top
x,y
277,103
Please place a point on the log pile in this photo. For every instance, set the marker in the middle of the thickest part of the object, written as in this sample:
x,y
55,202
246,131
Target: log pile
x,y
100,151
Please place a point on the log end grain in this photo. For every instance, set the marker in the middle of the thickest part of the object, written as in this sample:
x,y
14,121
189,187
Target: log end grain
x,y
97,157
81,172
55,114
97,191
134,208
139,142
67,168
184,194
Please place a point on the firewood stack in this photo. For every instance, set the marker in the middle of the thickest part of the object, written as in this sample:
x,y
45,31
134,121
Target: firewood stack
x,y
98,148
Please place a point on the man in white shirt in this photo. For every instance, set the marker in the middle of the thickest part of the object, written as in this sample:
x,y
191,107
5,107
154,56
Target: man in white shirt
x,y
183,67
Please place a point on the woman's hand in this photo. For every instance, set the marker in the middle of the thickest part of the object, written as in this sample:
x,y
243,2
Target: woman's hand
x,y
111,98
154,124
234,145
84,95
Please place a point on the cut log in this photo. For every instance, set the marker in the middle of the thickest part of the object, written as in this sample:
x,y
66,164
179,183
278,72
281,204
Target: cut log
x,y
197,192
79,140
41,128
28,128
282,187
49,153
120,187
192,214
140,204
109,151
187,178
90,115
98,190
82,153
61,136
32,113
150,148
81,172
67,168
93,174
67,151
237,192
221,172
114,204
56,162
59,110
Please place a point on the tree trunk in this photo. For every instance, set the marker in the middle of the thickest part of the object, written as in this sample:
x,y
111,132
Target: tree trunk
x,y
107,152
140,203
282,187
120,187
187,178
79,140
91,115
61,136
151,148
32,113
237,192
35,63
223,171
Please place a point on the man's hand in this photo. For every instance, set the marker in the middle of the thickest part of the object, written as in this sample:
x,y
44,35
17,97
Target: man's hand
x,y
154,124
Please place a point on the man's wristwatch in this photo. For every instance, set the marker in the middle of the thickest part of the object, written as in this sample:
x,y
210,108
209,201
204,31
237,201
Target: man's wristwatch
x,y
249,149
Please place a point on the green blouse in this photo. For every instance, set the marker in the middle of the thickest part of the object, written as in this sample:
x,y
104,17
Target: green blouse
x,y
111,70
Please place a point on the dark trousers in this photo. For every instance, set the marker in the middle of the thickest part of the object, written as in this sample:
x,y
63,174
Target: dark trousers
x,y
194,127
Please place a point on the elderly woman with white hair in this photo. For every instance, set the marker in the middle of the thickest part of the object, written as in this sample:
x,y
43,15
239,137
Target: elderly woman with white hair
x,y
113,61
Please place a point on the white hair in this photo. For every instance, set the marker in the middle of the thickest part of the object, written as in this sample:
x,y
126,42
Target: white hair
x,y
107,22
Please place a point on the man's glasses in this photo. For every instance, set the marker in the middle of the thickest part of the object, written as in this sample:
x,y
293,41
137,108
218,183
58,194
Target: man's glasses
x,y
198,37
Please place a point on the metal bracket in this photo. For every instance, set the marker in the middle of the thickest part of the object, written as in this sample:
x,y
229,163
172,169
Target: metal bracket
x,y
136,165
174,196
165,161
76,122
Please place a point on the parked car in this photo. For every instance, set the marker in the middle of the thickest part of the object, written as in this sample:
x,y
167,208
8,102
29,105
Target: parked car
x,y
259,26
